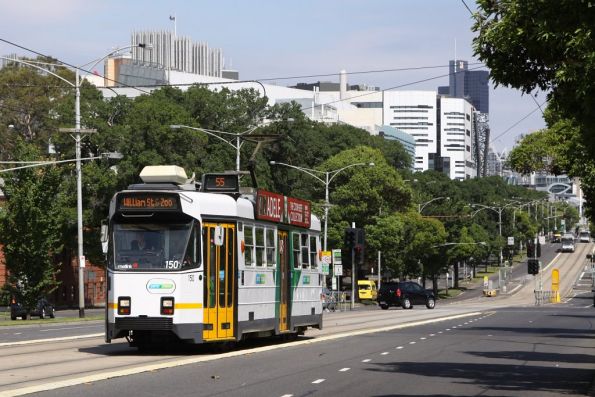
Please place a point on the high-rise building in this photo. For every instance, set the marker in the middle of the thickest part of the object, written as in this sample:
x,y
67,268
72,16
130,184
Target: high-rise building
x,y
178,53
472,85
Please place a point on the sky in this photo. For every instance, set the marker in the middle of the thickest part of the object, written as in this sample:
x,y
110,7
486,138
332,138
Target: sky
x,y
265,39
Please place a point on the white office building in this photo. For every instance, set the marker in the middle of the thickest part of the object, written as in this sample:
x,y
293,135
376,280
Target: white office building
x,y
441,126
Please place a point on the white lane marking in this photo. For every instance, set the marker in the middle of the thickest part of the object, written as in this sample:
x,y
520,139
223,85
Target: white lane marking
x,y
318,381
383,353
447,329
65,328
587,306
432,334
287,395
194,360
552,262
423,338
412,343
17,333
366,360
60,339
489,334
439,332
399,347
344,369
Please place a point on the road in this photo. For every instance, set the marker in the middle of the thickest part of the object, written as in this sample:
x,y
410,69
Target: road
x,y
558,334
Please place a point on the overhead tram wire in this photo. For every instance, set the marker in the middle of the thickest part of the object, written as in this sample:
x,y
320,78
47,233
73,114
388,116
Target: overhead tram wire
x,y
518,122
60,62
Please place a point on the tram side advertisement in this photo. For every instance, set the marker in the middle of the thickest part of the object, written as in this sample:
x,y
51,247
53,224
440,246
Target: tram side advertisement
x,y
282,209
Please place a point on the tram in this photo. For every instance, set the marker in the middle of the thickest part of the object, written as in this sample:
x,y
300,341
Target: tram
x,y
210,263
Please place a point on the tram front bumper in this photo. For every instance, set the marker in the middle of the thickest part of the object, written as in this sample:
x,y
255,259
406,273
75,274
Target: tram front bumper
x,y
186,332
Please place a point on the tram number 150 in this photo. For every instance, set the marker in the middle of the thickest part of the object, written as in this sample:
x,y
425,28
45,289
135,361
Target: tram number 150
x,y
172,264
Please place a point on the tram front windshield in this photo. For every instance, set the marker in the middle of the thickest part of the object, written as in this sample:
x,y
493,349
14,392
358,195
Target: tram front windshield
x,y
156,247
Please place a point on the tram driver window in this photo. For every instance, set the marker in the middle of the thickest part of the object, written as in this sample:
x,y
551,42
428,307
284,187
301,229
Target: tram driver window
x,y
295,243
259,246
192,254
305,250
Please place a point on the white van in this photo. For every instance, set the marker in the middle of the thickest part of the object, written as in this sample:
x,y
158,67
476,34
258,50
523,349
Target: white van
x,y
584,236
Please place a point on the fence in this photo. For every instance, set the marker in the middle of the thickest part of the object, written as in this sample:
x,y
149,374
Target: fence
x,y
543,297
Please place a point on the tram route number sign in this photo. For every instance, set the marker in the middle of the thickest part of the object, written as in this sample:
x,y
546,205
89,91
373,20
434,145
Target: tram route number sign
x,y
227,183
147,201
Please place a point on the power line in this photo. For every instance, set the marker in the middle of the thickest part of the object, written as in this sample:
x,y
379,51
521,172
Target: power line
x,y
70,65
518,122
467,7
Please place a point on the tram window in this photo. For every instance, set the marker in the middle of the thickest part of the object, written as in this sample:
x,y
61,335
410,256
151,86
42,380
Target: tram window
x,y
259,246
270,247
249,245
313,253
296,249
192,256
305,251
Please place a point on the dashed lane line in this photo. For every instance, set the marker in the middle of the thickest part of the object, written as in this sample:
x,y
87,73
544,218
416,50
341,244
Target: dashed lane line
x,y
194,360
317,381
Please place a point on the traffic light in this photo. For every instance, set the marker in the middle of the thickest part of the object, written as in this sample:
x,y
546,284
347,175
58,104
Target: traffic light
x,y
350,237
538,250
533,266
530,249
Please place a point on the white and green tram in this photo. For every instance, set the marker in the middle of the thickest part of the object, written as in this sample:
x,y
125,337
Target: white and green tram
x,y
209,264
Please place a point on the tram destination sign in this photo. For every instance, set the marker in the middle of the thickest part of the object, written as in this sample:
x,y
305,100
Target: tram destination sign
x,y
282,209
147,201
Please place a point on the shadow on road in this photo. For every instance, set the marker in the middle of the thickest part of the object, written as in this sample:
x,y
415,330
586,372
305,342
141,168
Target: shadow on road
x,y
182,349
512,378
536,356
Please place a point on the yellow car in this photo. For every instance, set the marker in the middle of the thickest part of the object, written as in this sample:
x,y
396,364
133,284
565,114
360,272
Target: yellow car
x,y
367,289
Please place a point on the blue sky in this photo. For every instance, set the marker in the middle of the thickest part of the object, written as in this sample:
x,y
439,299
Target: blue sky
x,y
274,39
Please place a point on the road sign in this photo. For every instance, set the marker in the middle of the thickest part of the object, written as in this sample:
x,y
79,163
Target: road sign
x,y
326,262
542,240
337,257
338,270
510,240
485,281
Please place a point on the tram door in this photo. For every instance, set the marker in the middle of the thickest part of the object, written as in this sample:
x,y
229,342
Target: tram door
x,y
219,258
284,269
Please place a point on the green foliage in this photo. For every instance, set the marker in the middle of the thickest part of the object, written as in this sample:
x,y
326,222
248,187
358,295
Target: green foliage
x,y
547,45
30,227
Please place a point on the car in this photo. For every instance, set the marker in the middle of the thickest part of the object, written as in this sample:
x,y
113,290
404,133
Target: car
x,y
556,237
43,308
584,237
405,294
367,290
329,300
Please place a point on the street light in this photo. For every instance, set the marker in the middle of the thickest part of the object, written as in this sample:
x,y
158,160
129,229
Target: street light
x,y
77,130
329,176
235,141
499,211
420,207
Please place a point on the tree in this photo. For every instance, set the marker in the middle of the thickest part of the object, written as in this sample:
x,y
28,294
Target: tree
x,y
31,227
387,234
460,252
547,45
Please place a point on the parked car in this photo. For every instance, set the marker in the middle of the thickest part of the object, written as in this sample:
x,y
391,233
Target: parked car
x,y
43,308
329,300
405,294
556,237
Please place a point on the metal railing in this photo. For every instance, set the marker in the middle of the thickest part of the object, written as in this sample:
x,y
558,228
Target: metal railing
x,y
544,297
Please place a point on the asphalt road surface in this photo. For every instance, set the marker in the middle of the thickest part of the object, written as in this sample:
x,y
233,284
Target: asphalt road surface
x,y
485,346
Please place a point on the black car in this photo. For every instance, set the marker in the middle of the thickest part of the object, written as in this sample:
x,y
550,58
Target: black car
x,y
42,308
404,294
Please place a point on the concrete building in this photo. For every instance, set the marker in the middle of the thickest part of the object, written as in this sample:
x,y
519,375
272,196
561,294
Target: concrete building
x,y
472,85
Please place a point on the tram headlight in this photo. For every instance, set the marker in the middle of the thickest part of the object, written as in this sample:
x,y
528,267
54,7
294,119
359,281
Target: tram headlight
x,y
167,306
124,305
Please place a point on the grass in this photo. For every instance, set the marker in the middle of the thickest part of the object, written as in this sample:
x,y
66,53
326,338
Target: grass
x,y
452,292
6,321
